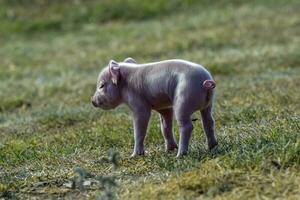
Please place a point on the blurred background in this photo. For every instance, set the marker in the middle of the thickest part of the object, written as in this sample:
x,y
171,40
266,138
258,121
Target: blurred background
x,y
51,52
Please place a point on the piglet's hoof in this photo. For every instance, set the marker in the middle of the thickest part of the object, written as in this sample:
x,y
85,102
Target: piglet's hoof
x,y
181,154
171,148
137,154
212,145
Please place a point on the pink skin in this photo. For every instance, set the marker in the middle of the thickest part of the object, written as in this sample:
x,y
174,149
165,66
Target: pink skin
x,y
171,87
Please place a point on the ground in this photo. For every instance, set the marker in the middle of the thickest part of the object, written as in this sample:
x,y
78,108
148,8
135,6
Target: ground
x,y
52,51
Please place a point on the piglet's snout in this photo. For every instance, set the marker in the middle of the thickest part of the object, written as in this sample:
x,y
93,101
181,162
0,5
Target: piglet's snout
x,y
94,102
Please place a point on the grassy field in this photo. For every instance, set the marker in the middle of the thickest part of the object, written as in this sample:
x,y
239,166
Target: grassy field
x,y
52,51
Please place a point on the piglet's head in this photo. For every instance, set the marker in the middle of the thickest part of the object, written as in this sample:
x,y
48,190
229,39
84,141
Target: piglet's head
x,y
108,91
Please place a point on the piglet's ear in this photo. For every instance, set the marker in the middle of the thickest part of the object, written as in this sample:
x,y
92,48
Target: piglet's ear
x,y
130,60
114,70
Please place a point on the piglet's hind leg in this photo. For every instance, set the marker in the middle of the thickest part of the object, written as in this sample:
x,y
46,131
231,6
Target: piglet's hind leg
x,y
208,125
166,121
186,128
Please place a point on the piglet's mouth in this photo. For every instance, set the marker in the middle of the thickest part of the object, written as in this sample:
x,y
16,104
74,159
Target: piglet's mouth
x,y
96,103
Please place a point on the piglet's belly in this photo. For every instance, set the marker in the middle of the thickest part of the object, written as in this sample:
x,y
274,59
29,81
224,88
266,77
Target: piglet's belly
x,y
160,102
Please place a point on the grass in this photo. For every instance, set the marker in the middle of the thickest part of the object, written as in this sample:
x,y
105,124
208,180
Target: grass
x,y
49,60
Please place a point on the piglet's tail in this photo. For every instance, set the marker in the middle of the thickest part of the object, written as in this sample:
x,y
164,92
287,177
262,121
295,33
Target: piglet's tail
x,y
209,85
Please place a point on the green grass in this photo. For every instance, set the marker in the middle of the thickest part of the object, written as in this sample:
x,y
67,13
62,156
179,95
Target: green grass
x,y
51,53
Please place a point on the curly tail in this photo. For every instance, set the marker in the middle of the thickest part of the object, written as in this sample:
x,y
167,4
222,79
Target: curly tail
x,y
209,85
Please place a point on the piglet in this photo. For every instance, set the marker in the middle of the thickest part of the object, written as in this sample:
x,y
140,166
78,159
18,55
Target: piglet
x,y
170,87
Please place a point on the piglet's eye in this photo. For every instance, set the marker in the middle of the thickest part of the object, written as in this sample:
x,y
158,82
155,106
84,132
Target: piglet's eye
x,y
102,85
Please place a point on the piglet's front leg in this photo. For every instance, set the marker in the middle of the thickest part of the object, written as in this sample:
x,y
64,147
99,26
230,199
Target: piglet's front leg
x,y
140,124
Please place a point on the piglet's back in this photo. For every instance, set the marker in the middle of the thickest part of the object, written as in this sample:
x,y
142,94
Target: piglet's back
x,y
157,82
179,69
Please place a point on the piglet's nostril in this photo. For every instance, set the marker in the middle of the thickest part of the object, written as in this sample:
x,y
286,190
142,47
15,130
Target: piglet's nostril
x,y
94,102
